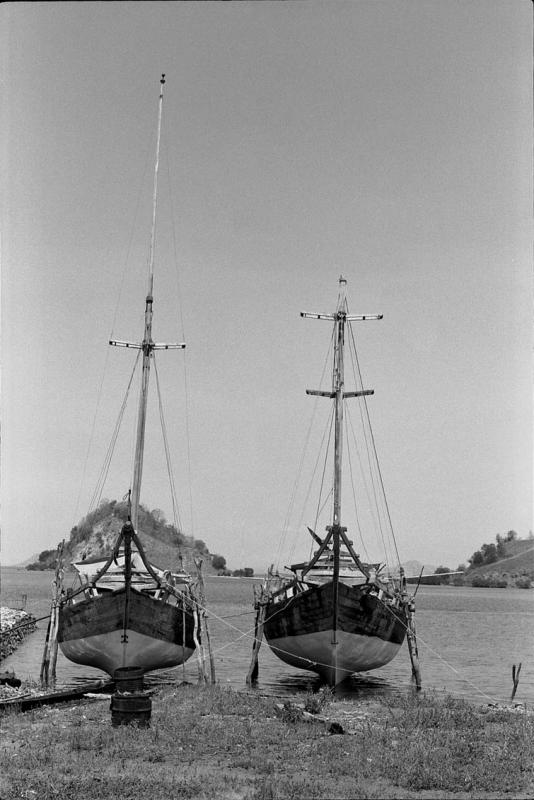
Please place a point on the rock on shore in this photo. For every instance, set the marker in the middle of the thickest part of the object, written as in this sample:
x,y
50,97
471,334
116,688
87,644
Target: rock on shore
x,y
15,625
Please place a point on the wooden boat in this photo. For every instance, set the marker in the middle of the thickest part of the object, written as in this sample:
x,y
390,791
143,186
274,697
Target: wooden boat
x,y
128,612
335,614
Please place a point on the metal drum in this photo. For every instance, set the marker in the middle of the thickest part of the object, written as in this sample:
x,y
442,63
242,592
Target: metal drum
x,y
131,709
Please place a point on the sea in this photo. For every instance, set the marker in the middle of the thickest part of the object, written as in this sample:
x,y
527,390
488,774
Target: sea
x,y
469,639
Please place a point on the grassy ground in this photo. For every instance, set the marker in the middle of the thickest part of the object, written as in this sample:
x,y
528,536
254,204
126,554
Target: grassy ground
x,y
210,742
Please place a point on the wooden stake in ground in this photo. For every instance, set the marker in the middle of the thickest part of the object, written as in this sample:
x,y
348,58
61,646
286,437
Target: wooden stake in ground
x,y
48,665
204,617
261,598
202,678
411,638
515,679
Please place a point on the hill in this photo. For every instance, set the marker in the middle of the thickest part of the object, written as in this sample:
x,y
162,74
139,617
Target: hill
x,y
508,562
515,568
95,535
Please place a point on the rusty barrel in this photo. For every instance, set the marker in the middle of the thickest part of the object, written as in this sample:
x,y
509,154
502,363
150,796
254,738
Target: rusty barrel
x,y
131,709
130,705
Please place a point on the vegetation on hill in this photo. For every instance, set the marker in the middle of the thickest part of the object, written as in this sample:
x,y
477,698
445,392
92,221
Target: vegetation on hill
x,y
507,562
165,546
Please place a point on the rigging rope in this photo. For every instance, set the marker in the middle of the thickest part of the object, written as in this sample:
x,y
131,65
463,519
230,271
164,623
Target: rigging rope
x,y
167,153
251,633
91,437
121,284
327,430
374,505
319,506
132,231
174,499
358,525
95,499
368,431
434,652
292,500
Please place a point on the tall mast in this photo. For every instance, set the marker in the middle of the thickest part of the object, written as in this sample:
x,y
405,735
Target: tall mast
x,y
147,339
155,195
147,345
338,395
337,390
339,318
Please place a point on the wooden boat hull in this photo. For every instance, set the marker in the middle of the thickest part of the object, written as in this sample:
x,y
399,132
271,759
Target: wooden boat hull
x,y
299,630
91,632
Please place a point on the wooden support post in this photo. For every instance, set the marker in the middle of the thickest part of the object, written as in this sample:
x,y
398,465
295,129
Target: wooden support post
x,y
253,672
198,647
204,618
210,651
182,600
48,664
515,679
45,663
411,638
261,599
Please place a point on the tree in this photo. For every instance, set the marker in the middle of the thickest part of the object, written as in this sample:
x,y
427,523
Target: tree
x,y
244,572
477,559
501,549
158,515
511,536
218,562
46,555
489,553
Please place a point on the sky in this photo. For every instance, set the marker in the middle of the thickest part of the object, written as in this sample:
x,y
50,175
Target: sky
x,y
390,142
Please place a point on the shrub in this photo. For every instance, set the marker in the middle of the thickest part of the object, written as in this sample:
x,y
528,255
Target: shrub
x,y
489,582
218,562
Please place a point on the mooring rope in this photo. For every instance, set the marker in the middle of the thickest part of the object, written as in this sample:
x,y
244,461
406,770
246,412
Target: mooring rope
x,y
434,652
252,634
28,622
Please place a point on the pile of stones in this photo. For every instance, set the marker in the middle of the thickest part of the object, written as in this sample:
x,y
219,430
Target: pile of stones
x,y
15,625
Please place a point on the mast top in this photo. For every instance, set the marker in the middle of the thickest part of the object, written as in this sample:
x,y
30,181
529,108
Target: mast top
x,y
162,79
341,311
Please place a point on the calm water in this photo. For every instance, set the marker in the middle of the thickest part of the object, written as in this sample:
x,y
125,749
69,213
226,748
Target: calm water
x,y
468,640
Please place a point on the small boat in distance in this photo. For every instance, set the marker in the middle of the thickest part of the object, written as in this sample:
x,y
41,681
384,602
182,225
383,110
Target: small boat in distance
x,y
126,612
336,614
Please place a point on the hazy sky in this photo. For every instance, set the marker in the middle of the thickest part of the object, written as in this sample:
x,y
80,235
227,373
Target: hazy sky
x,y
389,141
